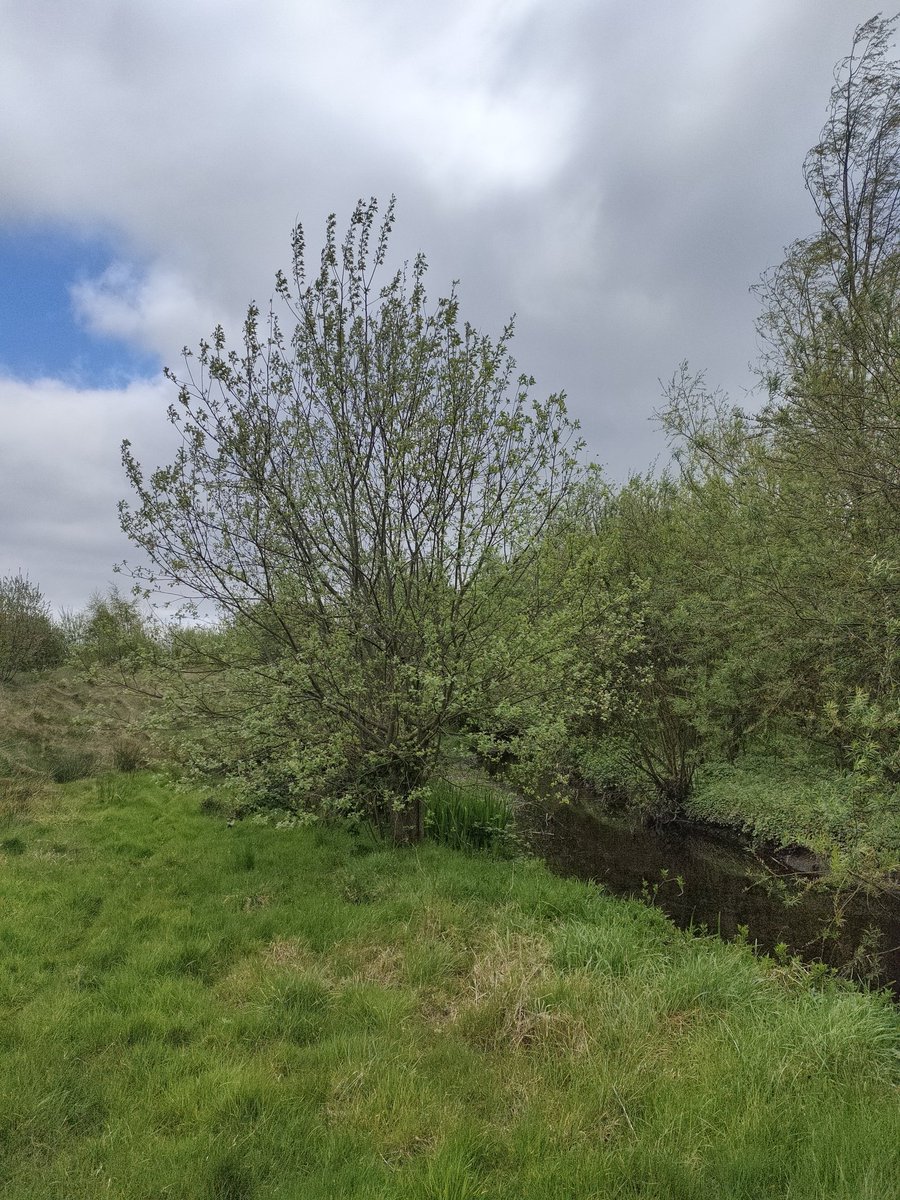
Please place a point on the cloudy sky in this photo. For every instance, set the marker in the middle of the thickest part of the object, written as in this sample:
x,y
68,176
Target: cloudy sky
x,y
615,172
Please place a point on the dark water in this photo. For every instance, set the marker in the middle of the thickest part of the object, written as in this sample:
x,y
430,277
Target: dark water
x,y
711,879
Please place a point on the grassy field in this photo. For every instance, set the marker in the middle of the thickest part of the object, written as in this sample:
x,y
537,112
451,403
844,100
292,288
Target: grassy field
x,y
196,1010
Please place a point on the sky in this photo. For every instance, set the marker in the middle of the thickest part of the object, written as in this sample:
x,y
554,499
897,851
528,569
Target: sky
x,y
617,173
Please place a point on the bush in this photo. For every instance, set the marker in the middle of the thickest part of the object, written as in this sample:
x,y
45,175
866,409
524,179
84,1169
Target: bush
x,y
28,638
110,630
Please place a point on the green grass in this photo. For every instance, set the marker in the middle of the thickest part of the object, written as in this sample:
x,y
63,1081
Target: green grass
x,y
202,1012
468,816
784,802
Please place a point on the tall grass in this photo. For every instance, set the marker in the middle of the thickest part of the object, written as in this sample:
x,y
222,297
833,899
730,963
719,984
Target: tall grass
x,y
468,817
198,1011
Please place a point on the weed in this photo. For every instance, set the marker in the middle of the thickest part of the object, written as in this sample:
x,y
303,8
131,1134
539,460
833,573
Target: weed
x,y
109,790
128,756
785,800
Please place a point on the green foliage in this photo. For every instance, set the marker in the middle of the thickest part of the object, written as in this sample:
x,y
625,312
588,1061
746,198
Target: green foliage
x,y
775,799
607,764
356,496
468,817
770,563
28,638
870,729
110,631
662,679
568,659
768,567
830,431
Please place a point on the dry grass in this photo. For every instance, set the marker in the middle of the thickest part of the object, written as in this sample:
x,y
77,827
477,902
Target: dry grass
x,y
65,724
22,796
288,953
384,966
511,998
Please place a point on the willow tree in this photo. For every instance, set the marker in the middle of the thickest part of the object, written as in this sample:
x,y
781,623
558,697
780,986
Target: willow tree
x,y
814,479
831,311
359,482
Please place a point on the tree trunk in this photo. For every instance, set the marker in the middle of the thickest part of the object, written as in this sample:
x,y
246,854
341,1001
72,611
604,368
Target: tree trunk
x,y
408,824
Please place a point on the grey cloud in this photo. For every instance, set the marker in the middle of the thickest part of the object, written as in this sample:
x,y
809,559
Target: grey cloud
x,y
617,173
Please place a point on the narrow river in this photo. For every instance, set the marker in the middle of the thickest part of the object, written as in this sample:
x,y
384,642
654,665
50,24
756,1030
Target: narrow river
x,y
712,880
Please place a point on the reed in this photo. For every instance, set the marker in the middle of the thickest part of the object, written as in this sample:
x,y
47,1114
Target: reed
x,y
468,817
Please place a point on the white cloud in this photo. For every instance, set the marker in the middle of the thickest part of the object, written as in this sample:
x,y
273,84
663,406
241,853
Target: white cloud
x,y
151,310
61,478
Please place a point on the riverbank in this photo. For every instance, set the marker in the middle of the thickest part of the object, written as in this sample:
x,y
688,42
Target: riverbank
x,y
710,873
712,877
848,825
845,825
199,1010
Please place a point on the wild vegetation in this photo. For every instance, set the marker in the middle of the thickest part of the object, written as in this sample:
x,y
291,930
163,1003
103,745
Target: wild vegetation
x,y
308,956
404,546
194,1010
395,546
763,566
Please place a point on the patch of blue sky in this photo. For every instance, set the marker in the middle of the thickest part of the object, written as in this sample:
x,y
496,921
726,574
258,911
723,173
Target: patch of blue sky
x,y
40,333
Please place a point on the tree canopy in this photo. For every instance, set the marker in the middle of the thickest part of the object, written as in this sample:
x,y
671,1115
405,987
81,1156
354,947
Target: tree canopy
x,y
357,488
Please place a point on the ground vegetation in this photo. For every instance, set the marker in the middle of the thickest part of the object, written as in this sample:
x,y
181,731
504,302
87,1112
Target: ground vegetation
x,y
254,1012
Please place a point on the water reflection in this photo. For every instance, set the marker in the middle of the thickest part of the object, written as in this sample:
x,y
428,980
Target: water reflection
x,y
711,879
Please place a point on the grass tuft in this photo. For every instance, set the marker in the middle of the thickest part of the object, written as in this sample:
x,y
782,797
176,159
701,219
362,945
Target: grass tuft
x,y
67,765
128,755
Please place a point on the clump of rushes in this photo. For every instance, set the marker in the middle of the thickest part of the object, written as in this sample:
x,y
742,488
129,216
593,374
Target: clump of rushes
x,y
468,818
66,765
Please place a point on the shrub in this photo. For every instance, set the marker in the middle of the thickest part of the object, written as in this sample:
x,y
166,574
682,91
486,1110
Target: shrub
x,y
28,638
110,630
